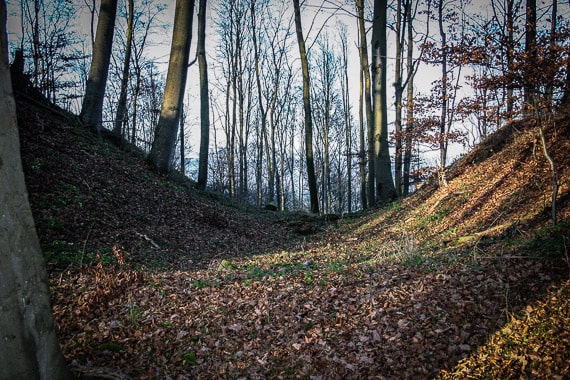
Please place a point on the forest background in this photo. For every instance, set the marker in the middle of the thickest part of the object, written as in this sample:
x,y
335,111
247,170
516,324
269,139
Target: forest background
x,y
456,71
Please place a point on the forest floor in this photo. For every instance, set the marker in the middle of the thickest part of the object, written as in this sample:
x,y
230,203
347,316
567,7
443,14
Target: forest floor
x,y
152,279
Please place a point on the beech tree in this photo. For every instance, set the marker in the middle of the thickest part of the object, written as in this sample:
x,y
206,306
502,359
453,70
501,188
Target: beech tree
x,y
163,146
122,105
311,177
346,111
204,98
92,109
29,348
365,68
385,190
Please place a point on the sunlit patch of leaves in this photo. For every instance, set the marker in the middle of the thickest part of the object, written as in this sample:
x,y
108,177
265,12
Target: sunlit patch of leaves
x,y
534,344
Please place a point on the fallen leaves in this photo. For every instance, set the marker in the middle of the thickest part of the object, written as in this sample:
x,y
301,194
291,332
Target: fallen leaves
x,y
218,293
385,321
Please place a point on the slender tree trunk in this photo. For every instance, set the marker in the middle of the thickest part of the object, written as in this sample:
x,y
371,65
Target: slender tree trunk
x,y
530,52
262,111
162,151
410,102
347,125
362,144
135,101
92,109
364,66
510,56
444,100
552,52
182,142
385,190
204,99
311,177
122,105
36,42
29,348
399,91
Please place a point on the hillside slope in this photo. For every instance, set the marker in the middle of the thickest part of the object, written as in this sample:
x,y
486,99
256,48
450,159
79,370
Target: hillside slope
x,y
154,280
89,196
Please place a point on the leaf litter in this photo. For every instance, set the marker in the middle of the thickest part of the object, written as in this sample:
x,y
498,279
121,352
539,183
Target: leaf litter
x,y
152,280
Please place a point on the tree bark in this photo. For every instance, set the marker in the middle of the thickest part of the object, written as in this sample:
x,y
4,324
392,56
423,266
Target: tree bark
x,y
162,151
122,104
399,91
385,190
530,52
92,109
346,113
444,99
29,348
311,177
204,99
410,100
364,66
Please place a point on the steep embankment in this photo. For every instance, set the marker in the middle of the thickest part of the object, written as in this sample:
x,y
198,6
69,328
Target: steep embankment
x,y
89,196
499,192
445,283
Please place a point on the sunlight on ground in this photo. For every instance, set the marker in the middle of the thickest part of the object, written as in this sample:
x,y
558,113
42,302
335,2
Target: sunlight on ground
x,y
534,345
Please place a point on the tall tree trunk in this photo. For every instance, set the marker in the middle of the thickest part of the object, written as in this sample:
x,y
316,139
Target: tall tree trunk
x,y
362,145
120,119
29,348
385,190
204,99
410,102
263,113
182,141
444,99
311,177
36,43
92,109
346,112
162,151
510,56
399,91
552,52
135,100
364,66
530,53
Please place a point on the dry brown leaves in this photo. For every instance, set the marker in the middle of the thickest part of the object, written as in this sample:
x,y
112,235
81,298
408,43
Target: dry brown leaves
x,y
394,294
278,319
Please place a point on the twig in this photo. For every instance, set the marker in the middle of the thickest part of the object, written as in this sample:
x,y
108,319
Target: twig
x,y
145,237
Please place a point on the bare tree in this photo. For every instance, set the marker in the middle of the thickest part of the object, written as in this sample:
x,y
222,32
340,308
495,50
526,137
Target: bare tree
x,y
162,151
92,109
385,190
204,99
530,53
364,66
122,105
346,112
49,35
311,177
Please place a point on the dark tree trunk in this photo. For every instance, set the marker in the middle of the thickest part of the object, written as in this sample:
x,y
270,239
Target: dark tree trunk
x,y
311,177
122,105
204,99
92,109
